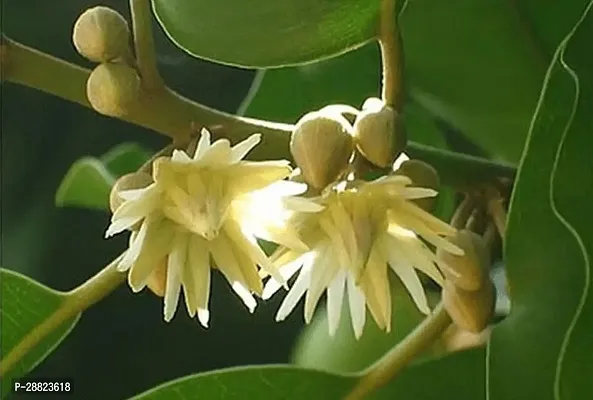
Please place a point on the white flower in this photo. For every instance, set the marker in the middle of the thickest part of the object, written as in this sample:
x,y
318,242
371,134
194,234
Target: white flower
x,y
363,228
195,213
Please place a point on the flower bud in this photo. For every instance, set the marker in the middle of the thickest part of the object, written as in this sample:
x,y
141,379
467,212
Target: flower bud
x,y
471,311
321,145
112,88
470,271
379,133
135,180
101,34
157,281
422,175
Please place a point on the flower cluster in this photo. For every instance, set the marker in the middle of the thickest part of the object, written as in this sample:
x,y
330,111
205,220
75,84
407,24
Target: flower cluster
x,y
207,210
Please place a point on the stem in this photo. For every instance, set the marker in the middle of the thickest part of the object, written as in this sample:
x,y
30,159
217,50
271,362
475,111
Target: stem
x,y
76,301
165,112
144,45
402,354
172,115
392,56
497,211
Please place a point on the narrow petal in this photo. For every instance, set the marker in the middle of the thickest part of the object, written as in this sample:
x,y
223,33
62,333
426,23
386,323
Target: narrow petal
x,y
203,317
302,204
240,150
180,156
335,296
413,252
413,284
296,292
135,246
323,270
411,193
218,154
172,288
356,302
245,295
375,285
156,246
287,271
203,144
199,262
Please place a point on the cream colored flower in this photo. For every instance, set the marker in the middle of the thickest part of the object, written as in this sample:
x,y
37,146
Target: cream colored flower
x,y
199,212
363,228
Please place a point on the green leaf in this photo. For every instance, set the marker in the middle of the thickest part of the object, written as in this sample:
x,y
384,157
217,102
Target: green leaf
x,y
267,33
480,63
125,158
25,304
461,373
87,184
543,349
343,352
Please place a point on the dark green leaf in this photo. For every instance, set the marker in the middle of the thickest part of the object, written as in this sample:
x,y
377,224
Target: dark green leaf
x,y
461,373
267,33
543,349
87,184
25,304
480,64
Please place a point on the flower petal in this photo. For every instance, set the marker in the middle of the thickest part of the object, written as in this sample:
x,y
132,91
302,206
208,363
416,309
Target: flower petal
x,y
335,296
296,292
172,288
240,150
356,302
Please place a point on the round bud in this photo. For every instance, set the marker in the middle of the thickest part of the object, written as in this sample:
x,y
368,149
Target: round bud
x,y
157,281
471,311
321,145
422,175
101,34
470,271
112,88
379,133
135,180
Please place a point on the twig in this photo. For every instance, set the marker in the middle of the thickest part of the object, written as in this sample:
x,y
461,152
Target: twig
x,y
144,45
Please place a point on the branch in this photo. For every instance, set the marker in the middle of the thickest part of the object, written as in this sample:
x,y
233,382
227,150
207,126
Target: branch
x,y
402,354
144,45
166,112
177,117
76,301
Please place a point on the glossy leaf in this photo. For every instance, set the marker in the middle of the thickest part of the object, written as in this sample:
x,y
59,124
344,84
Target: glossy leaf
x,y
87,184
25,304
267,33
461,373
543,349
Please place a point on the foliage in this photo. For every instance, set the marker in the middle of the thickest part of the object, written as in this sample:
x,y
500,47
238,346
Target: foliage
x,y
498,99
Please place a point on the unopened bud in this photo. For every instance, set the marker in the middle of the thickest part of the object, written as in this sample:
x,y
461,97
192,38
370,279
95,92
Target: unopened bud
x,y
135,180
157,281
470,271
471,311
379,133
101,34
112,88
321,145
422,175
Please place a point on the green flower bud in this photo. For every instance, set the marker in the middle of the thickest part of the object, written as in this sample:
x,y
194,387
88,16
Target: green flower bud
x,y
112,88
422,175
134,180
471,311
470,271
379,133
321,145
101,34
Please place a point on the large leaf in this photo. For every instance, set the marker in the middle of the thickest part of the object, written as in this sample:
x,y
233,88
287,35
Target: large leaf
x,y
25,304
543,349
268,33
461,374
